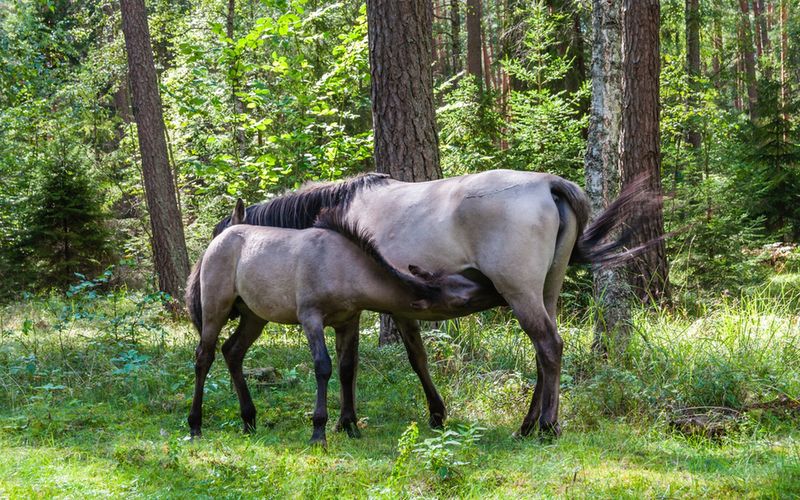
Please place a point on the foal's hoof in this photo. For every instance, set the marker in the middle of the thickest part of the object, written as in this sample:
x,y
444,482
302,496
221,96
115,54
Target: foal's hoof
x,y
249,427
351,428
195,434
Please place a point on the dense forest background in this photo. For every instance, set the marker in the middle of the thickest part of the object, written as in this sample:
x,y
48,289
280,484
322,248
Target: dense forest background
x,y
690,390
261,96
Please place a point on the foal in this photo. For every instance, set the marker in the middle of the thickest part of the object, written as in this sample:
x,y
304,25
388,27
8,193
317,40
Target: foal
x,y
317,277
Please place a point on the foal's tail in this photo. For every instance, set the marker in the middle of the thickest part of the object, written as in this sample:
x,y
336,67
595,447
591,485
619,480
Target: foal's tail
x,y
194,304
595,244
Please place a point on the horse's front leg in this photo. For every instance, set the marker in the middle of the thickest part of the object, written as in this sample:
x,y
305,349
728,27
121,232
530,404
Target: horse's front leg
x,y
347,356
312,325
409,332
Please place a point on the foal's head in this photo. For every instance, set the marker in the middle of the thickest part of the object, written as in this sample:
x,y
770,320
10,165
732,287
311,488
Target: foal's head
x,y
455,290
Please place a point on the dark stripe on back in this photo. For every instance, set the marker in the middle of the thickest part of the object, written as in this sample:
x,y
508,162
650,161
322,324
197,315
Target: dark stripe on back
x,y
333,220
299,209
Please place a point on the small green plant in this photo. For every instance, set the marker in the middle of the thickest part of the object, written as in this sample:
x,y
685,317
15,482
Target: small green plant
x,y
446,451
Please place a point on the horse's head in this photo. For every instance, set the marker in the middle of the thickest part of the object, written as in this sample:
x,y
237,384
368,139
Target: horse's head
x,y
456,291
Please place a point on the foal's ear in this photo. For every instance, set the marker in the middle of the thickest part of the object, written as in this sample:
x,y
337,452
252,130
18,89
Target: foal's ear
x,y
238,215
420,304
419,273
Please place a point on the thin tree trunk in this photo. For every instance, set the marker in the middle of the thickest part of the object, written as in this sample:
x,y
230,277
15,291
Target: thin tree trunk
x,y
715,59
236,103
474,65
757,29
746,44
487,63
406,144
784,26
693,63
761,21
641,151
611,292
455,35
169,246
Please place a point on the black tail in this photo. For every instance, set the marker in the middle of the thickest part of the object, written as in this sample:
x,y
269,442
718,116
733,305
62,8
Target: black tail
x,y
593,245
333,220
194,304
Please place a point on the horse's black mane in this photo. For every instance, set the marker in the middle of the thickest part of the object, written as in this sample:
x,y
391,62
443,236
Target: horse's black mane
x,y
299,209
333,220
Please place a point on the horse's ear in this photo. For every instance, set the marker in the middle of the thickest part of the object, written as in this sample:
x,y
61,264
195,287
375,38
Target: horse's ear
x,y
238,215
419,273
420,304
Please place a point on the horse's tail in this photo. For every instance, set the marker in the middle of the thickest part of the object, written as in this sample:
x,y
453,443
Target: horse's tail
x,y
194,304
333,220
599,242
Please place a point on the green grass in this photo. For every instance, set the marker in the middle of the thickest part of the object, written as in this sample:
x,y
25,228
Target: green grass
x,y
94,404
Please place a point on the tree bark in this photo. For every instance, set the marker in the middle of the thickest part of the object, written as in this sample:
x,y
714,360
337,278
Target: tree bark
x,y
455,35
404,123
693,63
474,51
715,60
611,292
761,19
784,27
641,152
746,47
169,246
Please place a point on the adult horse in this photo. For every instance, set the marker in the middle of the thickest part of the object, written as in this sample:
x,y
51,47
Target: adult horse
x,y
516,231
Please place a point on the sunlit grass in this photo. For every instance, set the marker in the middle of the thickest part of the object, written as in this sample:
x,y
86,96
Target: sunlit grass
x,y
97,407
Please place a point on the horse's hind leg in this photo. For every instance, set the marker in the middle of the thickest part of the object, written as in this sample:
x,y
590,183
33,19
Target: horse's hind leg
x,y
534,319
312,325
234,350
347,354
409,332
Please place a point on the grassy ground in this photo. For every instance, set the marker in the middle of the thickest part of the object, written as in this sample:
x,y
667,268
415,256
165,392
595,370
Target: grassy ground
x,y
94,396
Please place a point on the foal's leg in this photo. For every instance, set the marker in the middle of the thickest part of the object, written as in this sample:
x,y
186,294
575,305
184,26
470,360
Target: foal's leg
x,y
347,354
409,332
234,350
312,325
204,357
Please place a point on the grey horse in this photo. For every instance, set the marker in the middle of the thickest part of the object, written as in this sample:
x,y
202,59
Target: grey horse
x,y
514,232
323,276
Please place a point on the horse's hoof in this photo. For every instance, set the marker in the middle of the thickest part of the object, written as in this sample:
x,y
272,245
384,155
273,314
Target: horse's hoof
x,y
249,428
320,443
195,434
436,422
549,431
523,431
351,428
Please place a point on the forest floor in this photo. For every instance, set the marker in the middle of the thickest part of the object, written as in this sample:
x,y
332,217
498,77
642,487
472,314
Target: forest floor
x,y
94,396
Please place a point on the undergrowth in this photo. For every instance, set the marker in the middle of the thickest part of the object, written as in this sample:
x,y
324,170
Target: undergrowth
x,y
95,389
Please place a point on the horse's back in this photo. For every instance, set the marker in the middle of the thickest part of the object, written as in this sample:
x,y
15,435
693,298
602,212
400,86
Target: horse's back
x,y
464,222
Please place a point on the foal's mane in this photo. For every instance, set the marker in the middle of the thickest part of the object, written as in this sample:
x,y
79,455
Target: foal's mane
x,y
299,209
333,220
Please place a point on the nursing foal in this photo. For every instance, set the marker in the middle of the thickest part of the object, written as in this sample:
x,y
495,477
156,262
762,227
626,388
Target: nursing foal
x,y
317,277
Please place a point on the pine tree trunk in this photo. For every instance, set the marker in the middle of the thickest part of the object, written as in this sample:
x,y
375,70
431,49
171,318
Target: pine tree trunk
x,y
611,292
169,246
474,52
455,35
746,45
693,63
641,151
784,27
715,60
406,144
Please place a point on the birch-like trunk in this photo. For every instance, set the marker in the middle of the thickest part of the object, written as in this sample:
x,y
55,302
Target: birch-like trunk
x,y
602,163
